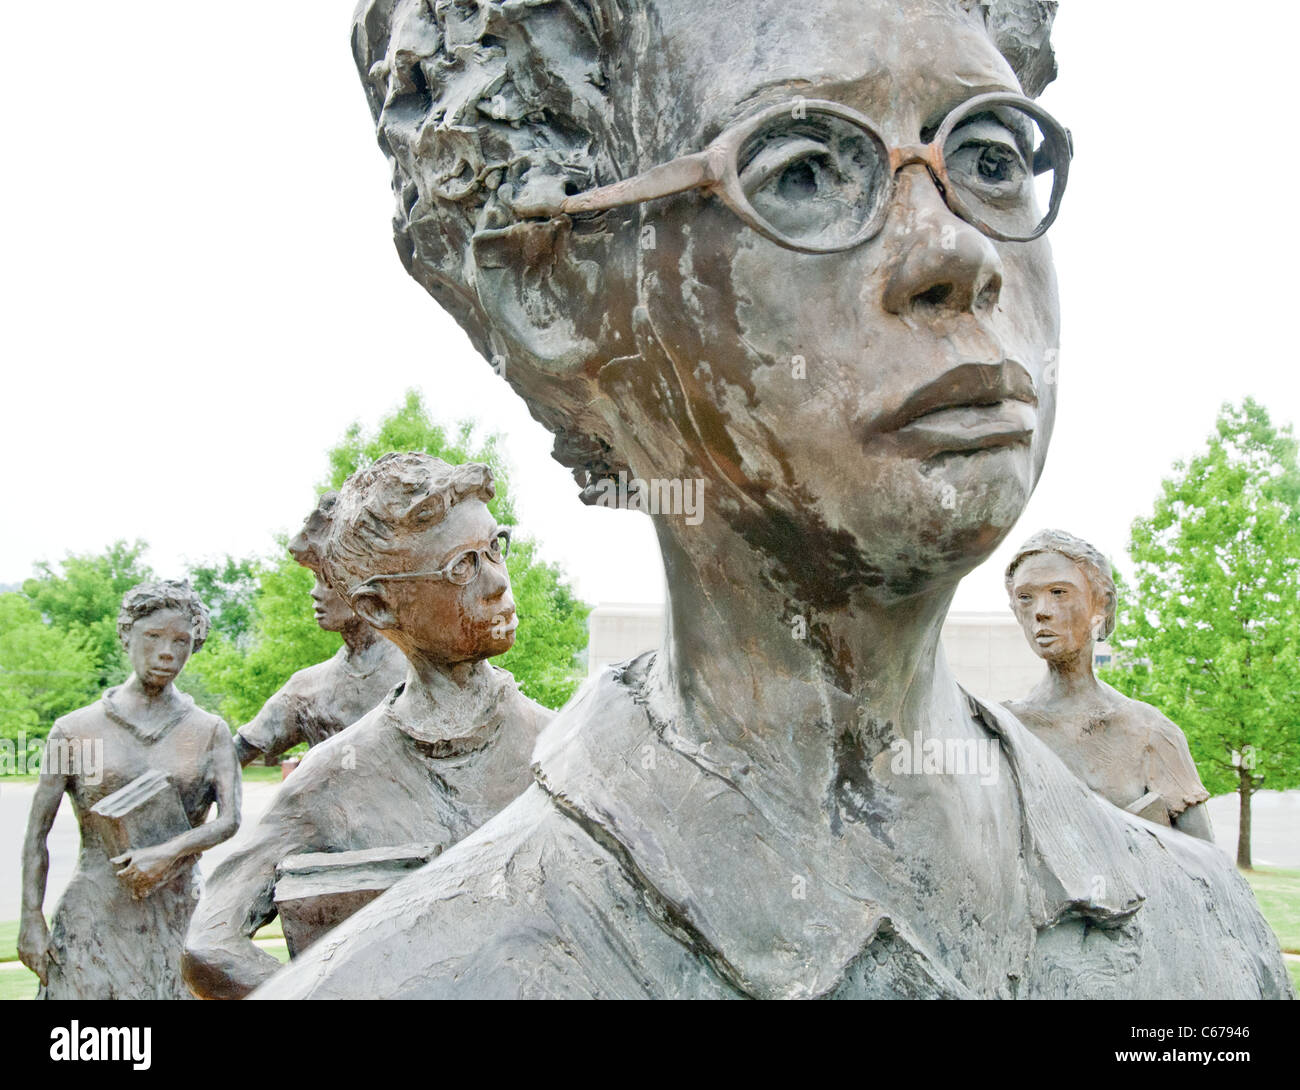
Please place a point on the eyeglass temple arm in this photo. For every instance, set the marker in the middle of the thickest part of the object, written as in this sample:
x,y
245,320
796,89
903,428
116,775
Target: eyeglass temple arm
x,y
1042,158
688,172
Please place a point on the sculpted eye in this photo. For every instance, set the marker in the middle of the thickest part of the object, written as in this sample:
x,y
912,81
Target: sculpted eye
x,y
988,159
464,566
817,179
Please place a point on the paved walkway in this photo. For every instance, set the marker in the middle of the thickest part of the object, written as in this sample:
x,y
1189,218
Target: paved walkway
x,y
1275,836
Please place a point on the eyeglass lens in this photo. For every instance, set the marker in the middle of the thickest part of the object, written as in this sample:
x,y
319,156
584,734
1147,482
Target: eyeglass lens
x,y
465,567
821,180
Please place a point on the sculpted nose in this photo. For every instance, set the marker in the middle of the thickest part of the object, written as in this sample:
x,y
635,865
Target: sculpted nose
x,y
943,264
495,581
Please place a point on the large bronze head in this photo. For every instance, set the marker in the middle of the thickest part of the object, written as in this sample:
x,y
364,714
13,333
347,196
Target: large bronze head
x,y
891,401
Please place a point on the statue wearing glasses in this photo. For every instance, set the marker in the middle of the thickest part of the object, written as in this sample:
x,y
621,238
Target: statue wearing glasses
x,y
792,249
321,700
417,553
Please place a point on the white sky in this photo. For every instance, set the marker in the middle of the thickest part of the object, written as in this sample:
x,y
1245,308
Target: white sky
x,y
200,291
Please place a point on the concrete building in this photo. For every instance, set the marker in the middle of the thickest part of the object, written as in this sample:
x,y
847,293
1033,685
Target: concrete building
x,y
986,651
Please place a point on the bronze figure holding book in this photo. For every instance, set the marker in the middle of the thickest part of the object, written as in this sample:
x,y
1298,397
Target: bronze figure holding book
x,y
143,766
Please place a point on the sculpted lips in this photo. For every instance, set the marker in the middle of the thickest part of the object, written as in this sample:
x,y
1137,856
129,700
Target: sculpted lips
x,y
973,406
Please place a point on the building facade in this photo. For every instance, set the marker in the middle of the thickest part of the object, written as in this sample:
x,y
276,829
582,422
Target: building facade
x,y
987,652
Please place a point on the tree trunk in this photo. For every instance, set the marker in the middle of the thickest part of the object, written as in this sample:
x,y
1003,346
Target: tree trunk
x,y
1244,787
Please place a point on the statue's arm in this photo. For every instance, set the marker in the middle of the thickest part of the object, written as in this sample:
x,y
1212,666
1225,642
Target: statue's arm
x,y
272,730
1195,821
144,869
221,961
33,934
1173,773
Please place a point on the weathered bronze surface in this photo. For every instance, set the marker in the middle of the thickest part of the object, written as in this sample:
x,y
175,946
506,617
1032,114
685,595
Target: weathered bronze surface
x,y
729,816
321,700
1063,595
442,753
143,766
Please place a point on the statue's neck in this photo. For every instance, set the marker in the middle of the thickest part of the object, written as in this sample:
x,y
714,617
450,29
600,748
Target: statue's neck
x,y
1071,676
446,700
359,637
779,685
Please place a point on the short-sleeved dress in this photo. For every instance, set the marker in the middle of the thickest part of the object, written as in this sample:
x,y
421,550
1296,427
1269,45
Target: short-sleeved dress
x,y
104,943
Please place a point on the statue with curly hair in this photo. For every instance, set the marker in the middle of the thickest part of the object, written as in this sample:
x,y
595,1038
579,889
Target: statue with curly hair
x,y
415,551
320,700
1063,595
119,929
795,253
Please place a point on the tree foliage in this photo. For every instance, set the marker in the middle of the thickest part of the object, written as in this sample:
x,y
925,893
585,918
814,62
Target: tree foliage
x,y
1211,627
228,587
239,672
45,671
83,596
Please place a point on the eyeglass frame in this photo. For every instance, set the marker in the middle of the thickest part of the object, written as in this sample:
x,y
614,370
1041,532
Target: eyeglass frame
x,y
716,171
441,575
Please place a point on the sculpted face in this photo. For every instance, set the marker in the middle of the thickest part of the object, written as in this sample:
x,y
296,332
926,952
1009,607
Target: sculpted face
x,y
444,621
1055,604
159,646
331,609
916,428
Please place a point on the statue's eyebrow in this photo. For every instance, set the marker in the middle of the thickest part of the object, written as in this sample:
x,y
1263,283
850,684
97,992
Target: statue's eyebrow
x,y
965,93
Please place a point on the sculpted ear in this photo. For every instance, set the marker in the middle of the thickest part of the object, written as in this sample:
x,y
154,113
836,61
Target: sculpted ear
x,y
373,608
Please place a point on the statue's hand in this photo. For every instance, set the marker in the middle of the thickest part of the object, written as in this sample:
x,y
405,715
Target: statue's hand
x,y
34,947
144,869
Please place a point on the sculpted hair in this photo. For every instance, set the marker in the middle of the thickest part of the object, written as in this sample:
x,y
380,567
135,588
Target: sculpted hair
x,y
147,598
383,503
308,544
1089,561
483,104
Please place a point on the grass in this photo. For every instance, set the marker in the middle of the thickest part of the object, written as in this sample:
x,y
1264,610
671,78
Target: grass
x,y
1278,894
22,984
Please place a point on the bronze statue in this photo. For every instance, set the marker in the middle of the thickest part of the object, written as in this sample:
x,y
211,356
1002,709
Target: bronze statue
x,y
418,555
815,280
143,766
1063,595
323,699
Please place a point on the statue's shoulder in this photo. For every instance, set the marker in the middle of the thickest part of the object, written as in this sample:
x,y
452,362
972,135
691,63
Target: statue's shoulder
x,y
371,742
528,906
76,723
535,716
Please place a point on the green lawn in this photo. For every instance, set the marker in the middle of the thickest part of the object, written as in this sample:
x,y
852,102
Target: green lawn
x,y
1278,894
21,984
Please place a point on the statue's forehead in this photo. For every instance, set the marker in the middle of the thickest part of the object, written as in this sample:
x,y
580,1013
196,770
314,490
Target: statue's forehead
x,y
1048,567
901,62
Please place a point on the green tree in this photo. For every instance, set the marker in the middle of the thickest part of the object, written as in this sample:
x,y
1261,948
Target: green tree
x,y
227,587
83,597
45,671
1211,629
